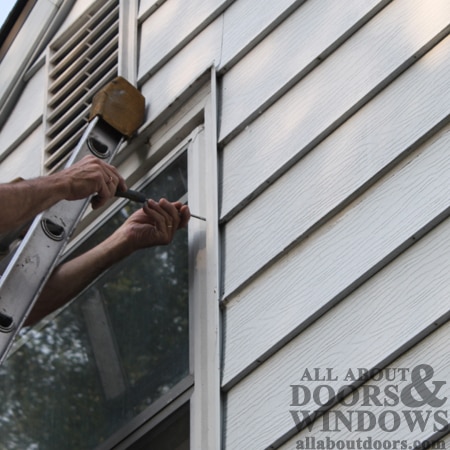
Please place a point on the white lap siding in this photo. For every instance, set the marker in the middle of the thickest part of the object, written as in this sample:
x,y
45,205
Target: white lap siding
x,y
332,137
333,206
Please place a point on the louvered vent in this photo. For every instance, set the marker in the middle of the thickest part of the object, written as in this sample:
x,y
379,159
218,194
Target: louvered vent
x,y
80,65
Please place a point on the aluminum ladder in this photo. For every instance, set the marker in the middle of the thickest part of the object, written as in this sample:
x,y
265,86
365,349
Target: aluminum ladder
x,y
117,111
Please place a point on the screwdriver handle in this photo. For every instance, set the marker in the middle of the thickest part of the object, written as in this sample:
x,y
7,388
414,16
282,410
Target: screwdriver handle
x,y
135,196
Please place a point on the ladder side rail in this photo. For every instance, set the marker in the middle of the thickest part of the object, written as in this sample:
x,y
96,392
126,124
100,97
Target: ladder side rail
x,y
39,252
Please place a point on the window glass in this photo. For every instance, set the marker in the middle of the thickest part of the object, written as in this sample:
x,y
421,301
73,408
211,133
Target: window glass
x,y
171,434
111,353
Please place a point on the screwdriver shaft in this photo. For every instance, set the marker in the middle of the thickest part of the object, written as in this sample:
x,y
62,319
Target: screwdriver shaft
x,y
139,197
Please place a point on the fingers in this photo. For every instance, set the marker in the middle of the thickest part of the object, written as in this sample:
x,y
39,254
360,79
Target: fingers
x,y
90,176
154,224
167,217
101,178
164,213
178,211
185,215
115,180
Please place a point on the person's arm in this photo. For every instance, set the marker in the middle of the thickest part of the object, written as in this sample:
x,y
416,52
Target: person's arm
x,y
154,224
22,201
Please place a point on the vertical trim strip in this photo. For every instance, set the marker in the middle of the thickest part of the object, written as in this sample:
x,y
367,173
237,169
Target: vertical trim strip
x,y
128,40
204,268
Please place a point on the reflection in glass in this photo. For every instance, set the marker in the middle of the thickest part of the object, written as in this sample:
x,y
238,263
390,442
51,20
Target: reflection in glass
x,y
122,344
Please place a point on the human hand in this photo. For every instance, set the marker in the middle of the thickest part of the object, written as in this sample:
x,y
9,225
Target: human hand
x,y
91,176
155,224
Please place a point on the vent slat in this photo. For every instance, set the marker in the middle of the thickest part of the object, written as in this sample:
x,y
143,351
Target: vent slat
x,y
71,115
59,165
79,109
89,59
108,54
67,146
87,49
64,139
92,17
82,62
76,92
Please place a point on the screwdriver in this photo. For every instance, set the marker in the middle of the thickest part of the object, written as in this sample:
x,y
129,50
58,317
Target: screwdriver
x,y
139,197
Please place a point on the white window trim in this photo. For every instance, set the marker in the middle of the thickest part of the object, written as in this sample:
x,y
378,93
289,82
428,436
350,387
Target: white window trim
x,y
202,387
128,40
205,278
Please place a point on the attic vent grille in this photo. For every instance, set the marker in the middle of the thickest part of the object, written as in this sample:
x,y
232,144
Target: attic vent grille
x,y
80,64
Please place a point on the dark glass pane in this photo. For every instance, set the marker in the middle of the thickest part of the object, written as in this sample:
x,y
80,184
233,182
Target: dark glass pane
x,y
111,353
171,434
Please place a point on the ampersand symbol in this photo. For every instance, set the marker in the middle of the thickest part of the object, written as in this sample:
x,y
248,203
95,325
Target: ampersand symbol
x,y
418,383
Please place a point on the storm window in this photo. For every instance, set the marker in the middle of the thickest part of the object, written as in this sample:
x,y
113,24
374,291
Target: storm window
x,y
115,351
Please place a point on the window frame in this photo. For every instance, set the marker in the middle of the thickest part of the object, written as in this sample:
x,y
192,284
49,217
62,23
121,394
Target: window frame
x,y
204,248
154,141
128,40
202,387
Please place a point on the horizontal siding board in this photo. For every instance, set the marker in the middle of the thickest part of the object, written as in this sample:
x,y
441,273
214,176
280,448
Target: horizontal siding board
x,y
338,257
433,351
240,36
146,7
176,77
24,44
340,166
350,157
286,54
389,314
322,101
28,109
235,39
221,43
26,160
171,26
